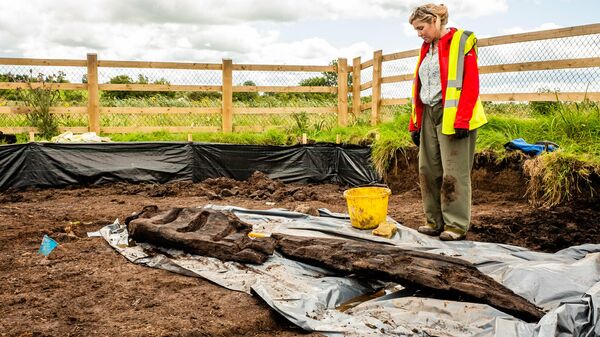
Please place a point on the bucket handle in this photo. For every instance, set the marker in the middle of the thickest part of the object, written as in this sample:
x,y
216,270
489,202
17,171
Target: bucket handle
x,y
374,185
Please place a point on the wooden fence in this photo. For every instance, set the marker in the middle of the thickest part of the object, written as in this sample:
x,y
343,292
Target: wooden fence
x,y
227,68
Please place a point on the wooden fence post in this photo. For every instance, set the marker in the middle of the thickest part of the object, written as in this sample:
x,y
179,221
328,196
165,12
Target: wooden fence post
x,y
356,87
93,94
376,92
342,72
227,96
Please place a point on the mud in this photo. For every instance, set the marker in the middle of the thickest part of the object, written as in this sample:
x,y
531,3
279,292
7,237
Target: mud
x,y
87,288
448,190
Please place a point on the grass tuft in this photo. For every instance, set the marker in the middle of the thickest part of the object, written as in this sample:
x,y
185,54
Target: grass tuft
x,y
555,178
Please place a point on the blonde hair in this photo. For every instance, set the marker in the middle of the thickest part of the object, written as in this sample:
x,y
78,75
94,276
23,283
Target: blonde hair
x,y
428,12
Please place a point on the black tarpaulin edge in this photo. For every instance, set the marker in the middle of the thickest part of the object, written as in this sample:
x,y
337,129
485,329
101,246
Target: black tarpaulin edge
x,y
45,165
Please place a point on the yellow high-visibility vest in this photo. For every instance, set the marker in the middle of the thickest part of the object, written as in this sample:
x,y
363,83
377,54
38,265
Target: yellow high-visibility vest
x,y
462,42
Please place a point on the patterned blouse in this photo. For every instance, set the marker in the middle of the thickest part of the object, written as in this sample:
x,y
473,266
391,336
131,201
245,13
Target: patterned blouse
x,y
429,75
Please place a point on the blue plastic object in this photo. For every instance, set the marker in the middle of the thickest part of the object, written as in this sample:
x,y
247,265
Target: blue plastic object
x,y
48,244
532,149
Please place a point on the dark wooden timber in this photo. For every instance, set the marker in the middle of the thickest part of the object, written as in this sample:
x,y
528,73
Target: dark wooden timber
x,y
200,231
409,268
224,236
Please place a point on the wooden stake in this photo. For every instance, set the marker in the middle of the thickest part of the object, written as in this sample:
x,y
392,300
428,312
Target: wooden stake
x,y
190,138
337,139
304,138
356,87
376,89
227,96
93,94
342,73
31,136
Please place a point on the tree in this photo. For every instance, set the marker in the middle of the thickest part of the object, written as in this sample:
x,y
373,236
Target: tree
x,y
39,100
327,79
246,96
125,79
119,79
9,94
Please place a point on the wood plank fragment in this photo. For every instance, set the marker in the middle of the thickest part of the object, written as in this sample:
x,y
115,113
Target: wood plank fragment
x,y
407,267
218,234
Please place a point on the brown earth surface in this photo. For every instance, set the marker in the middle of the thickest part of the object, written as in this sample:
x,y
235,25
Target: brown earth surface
x,y
87,288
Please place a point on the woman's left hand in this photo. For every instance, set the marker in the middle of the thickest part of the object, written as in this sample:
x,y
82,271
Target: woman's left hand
x,y
461,133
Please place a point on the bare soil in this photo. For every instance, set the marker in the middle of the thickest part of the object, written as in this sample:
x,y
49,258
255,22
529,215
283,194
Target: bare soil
x,y
86,288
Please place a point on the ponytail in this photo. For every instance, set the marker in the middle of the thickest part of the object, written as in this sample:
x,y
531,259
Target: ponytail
x,y
429,12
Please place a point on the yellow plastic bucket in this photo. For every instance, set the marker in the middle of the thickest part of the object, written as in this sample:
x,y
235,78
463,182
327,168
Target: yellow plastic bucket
x,y
367,206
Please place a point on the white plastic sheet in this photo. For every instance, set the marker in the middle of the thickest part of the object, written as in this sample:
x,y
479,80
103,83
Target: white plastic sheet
x,y
566,284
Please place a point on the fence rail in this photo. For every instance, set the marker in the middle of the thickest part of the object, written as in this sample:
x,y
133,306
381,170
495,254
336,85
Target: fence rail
x,y
525,67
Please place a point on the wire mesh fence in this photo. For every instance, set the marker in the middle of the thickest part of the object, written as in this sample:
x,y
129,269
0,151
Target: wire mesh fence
x,y
20,73
565,48
12,99
564,80
579,48
395,68
159,76
152,109
286,110
364,116
578,77
185,97
536,71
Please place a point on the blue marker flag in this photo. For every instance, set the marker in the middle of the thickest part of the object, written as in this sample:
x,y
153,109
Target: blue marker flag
x,y
48,244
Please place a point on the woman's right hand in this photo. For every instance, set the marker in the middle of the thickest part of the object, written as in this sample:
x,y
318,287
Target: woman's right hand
x,y
416,137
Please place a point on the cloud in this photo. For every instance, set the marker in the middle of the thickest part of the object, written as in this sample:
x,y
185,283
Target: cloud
x,y
475,8
197,31
517,30
229,11
456,8
309,51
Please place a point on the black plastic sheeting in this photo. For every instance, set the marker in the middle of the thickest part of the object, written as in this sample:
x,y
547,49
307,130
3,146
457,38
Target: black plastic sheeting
x,y
58,165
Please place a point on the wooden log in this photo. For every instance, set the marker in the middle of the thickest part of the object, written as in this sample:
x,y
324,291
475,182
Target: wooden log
x,y
222,235
218,234
409,268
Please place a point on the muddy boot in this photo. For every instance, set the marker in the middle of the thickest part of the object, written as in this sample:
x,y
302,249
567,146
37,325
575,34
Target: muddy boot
x,y
429,229
452,235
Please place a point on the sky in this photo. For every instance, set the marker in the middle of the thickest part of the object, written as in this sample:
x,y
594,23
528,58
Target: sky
x,y
255,31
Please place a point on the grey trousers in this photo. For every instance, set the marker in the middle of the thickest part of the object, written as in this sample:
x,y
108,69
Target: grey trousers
x,y
445,174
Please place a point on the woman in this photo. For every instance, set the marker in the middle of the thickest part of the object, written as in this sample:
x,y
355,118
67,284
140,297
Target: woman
x,y
444,121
